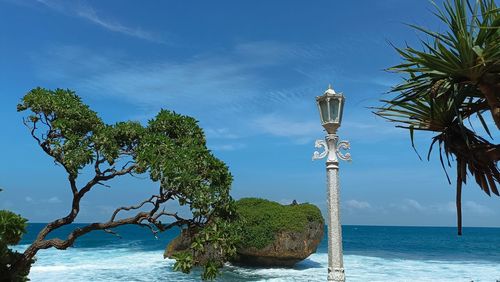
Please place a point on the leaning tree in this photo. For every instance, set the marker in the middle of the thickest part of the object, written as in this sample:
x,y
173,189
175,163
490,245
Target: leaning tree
x,y
171,149
453,80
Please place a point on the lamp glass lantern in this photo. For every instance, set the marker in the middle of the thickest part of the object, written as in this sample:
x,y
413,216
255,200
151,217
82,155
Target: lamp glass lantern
x,y
331,107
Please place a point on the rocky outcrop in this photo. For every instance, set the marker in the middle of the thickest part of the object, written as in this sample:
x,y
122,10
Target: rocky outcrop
x,y
182,242
288,248
178,244
272,234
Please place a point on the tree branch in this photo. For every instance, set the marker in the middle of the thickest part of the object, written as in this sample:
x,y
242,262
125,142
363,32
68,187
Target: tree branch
x,y
138,206
107,226
101,177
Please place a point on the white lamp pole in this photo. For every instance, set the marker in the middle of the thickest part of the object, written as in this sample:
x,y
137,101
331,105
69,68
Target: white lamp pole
x,y
330,106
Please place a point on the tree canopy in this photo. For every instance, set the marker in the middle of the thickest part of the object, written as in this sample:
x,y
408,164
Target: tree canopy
x,y
170,149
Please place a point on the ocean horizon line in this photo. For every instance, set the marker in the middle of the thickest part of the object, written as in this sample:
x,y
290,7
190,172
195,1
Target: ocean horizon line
x,y
363,225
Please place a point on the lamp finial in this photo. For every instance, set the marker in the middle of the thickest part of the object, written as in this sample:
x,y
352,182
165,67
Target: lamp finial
x,y
330,90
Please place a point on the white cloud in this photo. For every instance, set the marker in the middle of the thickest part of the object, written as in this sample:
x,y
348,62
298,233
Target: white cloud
x,y
220,133
54,200
278,51
355,204
91,15
413,204
410,205
209,84
83,10
227,147
51,200
473,207
369,129
448,208
300,131
228,89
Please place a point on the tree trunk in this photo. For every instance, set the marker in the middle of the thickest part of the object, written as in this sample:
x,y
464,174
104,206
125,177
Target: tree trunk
x,y
25,261
489,91
459,204
40,242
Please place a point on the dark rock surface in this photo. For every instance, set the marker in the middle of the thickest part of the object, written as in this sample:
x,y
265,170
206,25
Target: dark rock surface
x,y
287,249
178,244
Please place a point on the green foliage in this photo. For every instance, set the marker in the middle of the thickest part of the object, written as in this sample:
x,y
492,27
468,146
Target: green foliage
x,y
455,78
467,51
211,270
12,228
171,149
444,87
69,122
183,262
211,246
262,219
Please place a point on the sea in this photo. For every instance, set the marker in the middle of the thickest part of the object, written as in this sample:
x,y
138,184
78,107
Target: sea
x,y
371,253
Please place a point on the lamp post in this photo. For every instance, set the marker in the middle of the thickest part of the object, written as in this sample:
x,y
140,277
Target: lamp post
x,y
330,106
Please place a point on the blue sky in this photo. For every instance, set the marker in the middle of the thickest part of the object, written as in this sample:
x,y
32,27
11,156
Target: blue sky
x,y
249,72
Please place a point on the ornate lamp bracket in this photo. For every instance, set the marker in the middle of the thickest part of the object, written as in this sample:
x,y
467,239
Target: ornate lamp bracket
x,y
344,145
333,149
318,144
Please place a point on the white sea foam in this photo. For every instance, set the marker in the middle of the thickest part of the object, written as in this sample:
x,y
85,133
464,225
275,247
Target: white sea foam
x,y
132,265
364,268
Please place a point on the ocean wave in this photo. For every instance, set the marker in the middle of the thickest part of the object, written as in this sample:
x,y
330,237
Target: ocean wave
x,y
364,268
132,265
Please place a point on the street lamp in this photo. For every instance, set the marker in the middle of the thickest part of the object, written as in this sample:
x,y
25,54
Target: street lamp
x,y
331,105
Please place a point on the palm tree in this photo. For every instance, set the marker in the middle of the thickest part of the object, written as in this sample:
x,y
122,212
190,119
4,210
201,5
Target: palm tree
x,y
454,79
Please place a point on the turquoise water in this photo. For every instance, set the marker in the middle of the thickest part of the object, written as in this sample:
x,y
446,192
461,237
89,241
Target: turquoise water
x,y
372,253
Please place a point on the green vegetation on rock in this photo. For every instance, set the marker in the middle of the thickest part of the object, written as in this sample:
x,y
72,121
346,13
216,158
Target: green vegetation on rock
x,y
262,219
